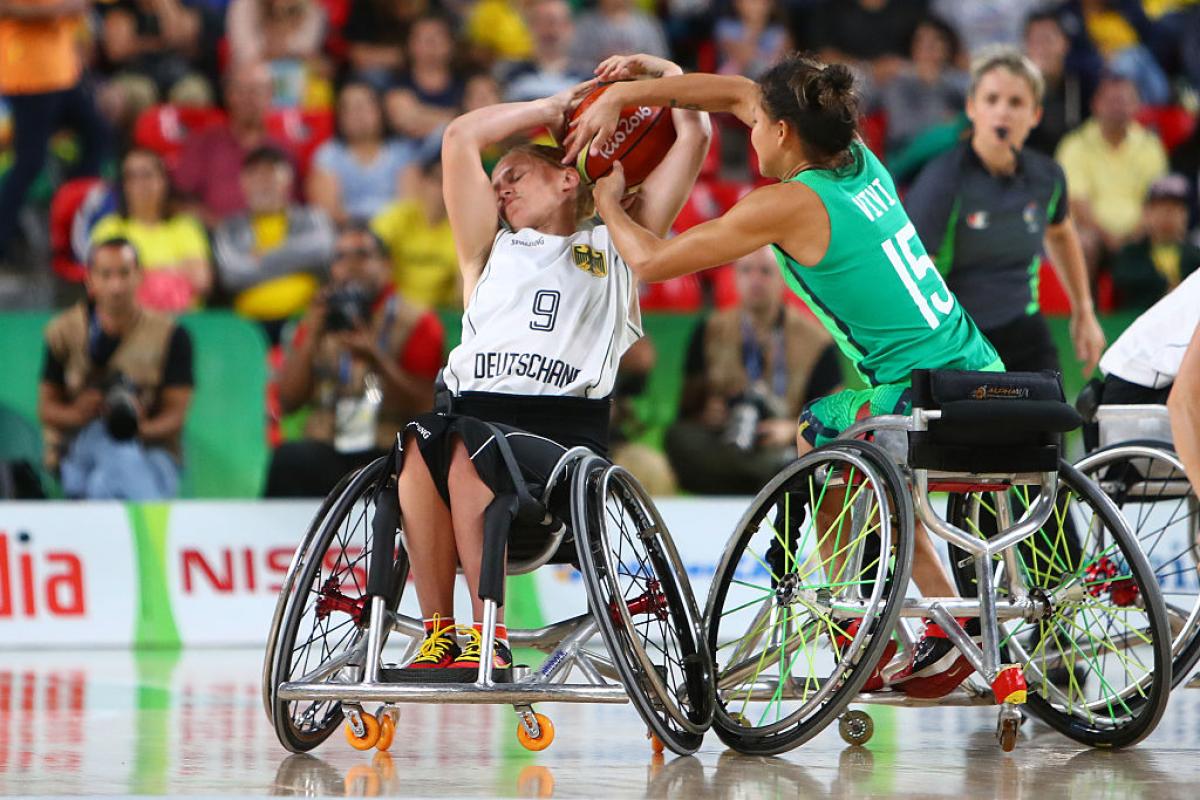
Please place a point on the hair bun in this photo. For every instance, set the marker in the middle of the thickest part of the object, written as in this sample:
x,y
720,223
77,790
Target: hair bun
x,y
831,86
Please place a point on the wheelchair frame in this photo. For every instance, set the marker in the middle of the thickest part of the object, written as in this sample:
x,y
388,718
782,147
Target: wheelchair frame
x,y
1005,683
1143,431
563,642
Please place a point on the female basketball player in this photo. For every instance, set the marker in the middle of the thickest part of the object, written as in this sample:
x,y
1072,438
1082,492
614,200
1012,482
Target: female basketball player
x,y
550,307
845,245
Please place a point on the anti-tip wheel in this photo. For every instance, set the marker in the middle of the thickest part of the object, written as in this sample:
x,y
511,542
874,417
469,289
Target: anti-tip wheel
x,y
387,731
370,737
1006,733
545,734
856,727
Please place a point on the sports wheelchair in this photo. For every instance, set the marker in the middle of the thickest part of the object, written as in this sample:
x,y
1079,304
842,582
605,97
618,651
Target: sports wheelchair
x,y
811,590
339,608
1131,456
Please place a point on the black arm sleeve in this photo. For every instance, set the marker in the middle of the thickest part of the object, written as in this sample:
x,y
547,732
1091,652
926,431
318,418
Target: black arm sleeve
x,y
52,369
178,369
932,201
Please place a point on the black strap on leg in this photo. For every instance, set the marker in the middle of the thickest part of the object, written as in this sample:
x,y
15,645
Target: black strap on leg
x,y
498,519
502,513
383,529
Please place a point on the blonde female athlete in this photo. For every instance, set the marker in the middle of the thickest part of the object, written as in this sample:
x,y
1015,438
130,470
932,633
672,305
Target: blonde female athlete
x,y
550,307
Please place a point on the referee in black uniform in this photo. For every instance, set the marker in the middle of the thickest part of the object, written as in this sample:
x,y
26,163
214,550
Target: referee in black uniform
x,y
986,209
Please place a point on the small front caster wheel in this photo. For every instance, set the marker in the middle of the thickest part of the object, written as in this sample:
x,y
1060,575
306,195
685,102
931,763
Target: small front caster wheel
x,y
856,727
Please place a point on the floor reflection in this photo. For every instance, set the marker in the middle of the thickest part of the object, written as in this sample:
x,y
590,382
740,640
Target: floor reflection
x,y
192,724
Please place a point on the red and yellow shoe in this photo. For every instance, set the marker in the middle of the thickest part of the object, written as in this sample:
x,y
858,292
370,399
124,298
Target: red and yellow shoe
x,y
439,650
469,657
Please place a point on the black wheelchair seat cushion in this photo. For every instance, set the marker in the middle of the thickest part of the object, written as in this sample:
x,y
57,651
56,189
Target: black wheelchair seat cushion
x,y
990,421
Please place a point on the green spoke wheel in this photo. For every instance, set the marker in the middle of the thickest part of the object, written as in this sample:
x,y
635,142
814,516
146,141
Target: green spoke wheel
x,y
1098,664
807,594
1146,481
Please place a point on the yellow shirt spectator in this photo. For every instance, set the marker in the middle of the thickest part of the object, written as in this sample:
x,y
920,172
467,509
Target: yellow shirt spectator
x,y
158,245
278,298
167,251
498,28
1113,180
423,258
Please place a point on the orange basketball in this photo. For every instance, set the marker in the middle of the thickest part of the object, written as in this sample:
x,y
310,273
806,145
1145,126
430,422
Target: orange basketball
x,y
641,140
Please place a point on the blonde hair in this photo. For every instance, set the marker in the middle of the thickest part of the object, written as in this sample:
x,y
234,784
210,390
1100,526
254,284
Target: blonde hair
x,y
585,207
1011,59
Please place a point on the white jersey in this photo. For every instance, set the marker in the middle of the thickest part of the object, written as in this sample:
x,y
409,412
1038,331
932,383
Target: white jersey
x,y
1151,349
550,315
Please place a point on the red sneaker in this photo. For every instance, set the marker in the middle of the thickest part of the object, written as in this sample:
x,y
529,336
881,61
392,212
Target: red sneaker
x,y
937,667
875,682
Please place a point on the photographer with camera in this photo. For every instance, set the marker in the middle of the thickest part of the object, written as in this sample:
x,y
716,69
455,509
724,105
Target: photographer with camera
x,y
364,360
115,388
749,371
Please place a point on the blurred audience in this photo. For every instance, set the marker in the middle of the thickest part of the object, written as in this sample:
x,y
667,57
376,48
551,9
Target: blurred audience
x,y
270,258
172,247
358,171
1146,269
1110,161
286,35
376,32
363,360
1185,160
980,23
1119,35
548,70
627,431
930,92
1067,92
615,27
429,93
115,388
872,34
750,40
42,81
148,47
749,371
211,157
416,233
495,30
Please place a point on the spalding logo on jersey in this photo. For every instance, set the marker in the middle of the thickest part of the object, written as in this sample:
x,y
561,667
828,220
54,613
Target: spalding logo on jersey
x,y
589,260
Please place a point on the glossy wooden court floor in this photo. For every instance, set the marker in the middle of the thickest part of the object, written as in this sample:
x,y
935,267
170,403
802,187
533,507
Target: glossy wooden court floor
x,y
192,724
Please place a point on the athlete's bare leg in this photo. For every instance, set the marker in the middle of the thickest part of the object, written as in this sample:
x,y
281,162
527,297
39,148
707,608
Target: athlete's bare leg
x,y
927,571
469,498
429,534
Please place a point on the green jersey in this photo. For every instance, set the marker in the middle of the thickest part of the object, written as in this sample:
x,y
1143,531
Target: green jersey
x,y
876,290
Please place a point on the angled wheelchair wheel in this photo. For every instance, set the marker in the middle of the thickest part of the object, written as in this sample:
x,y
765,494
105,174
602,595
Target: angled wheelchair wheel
x,y
314,527
322,632
807,594
643,603
1098,664
1147,482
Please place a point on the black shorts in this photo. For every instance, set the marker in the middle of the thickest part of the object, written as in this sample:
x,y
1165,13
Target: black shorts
x,y
1118,391
435,434
1025,344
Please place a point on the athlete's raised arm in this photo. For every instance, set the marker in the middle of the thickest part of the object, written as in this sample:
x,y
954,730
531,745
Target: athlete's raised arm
x,y
667,187
698,91
470,199
783,214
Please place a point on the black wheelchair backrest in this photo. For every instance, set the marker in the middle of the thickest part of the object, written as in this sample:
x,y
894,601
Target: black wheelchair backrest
x,y
990,421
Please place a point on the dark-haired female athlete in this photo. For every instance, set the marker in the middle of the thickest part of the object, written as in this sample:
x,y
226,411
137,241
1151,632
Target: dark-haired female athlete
x,y
845,246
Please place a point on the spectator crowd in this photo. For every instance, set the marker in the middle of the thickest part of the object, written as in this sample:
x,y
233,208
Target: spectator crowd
x,y
281,158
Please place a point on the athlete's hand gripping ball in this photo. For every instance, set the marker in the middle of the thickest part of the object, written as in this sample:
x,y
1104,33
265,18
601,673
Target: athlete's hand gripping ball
x,y
610,187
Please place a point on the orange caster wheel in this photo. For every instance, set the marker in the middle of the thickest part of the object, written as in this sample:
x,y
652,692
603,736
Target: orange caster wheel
x,y
545,736
655,744
387,732
370,735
